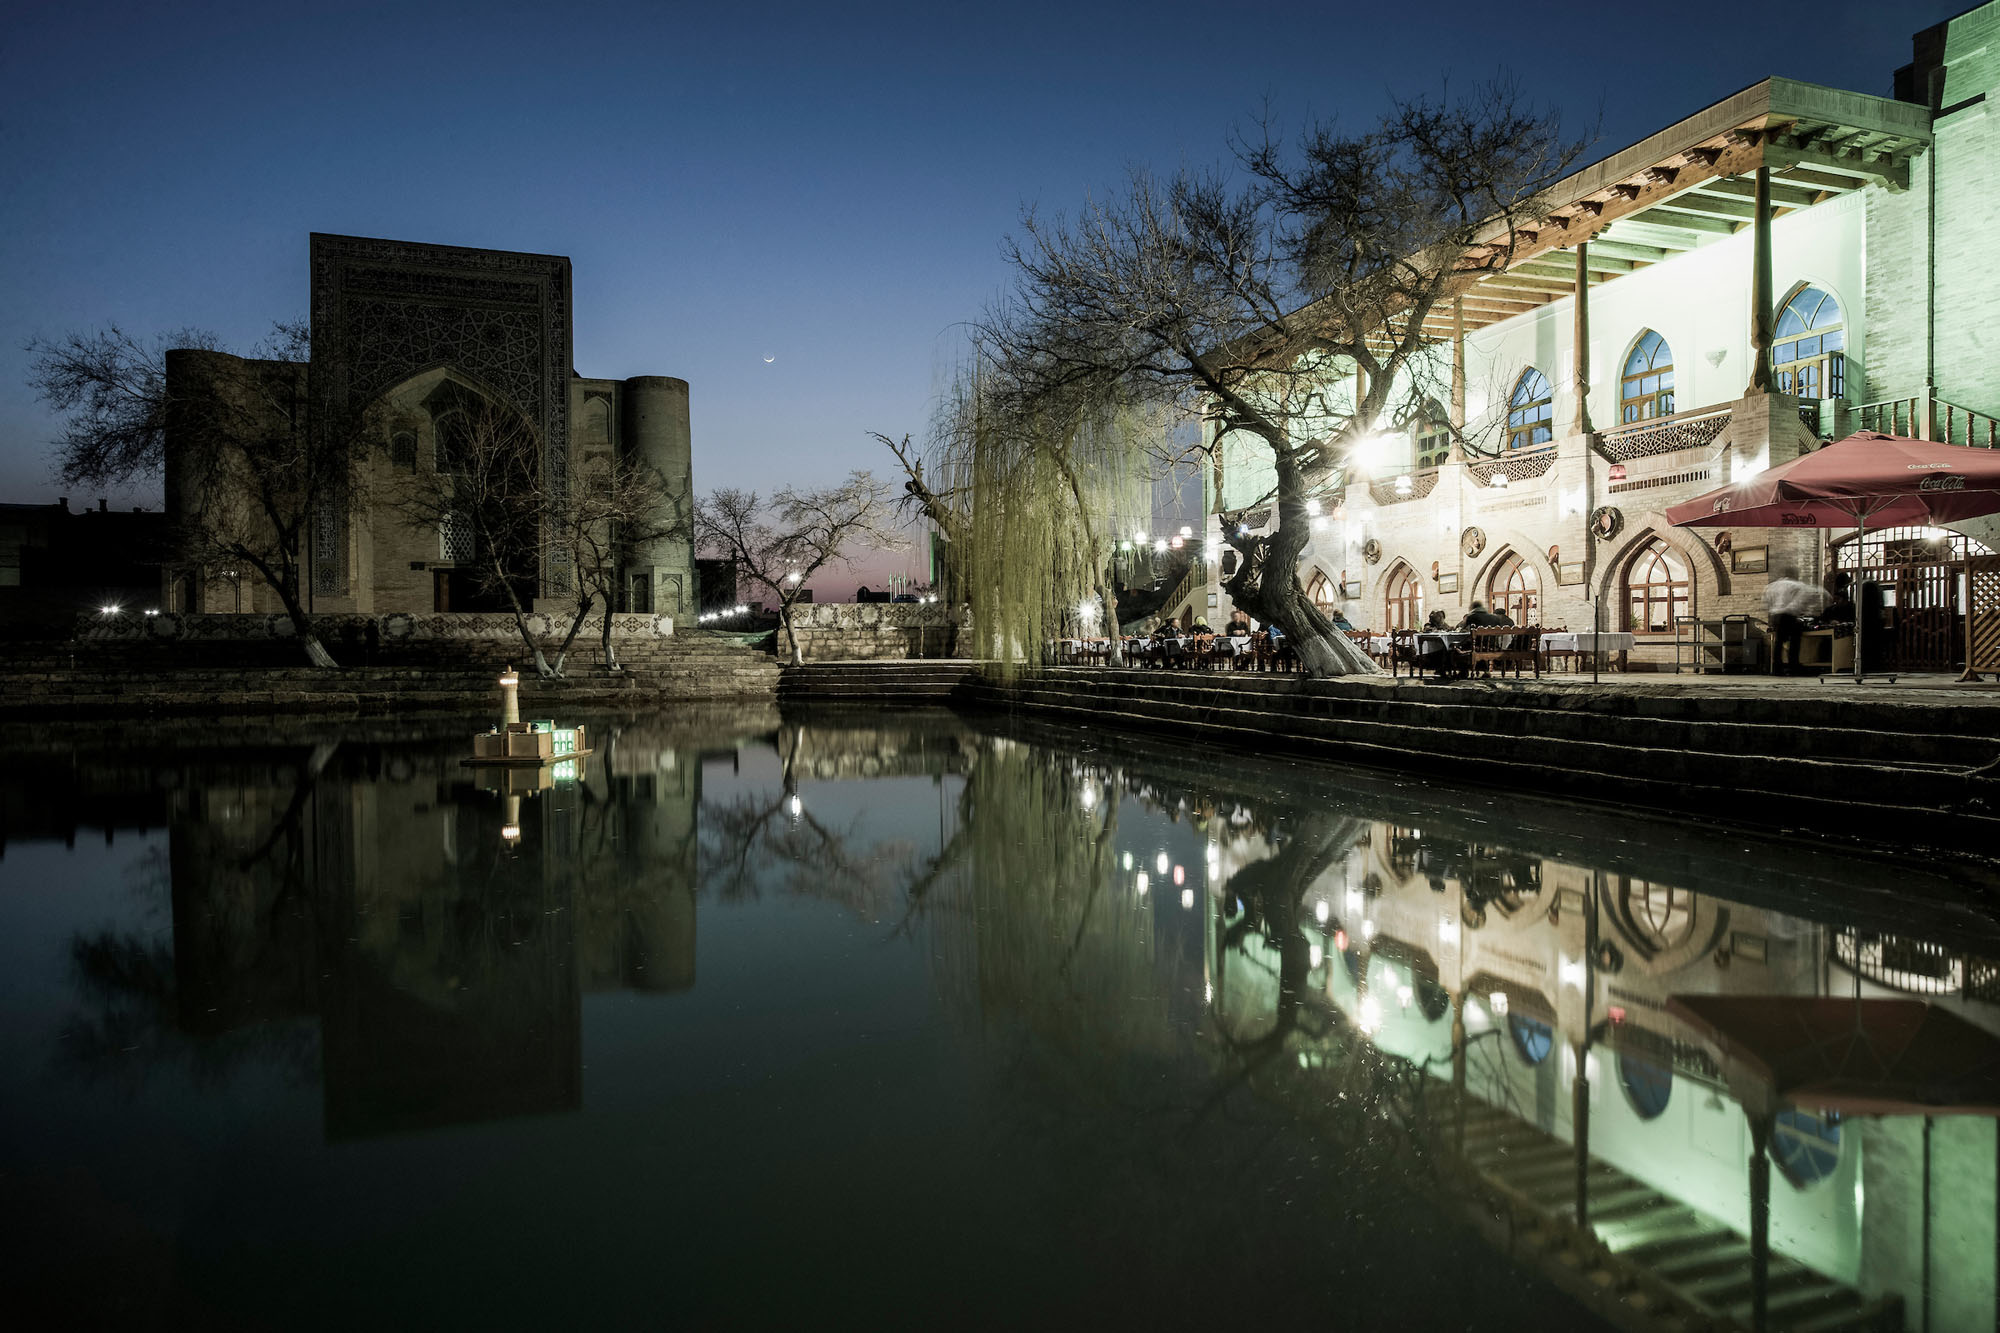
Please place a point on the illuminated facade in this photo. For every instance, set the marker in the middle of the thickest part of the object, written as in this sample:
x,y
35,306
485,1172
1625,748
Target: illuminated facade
x,y
1785,267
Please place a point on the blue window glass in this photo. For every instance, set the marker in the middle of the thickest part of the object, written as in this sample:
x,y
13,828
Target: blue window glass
x,y
1533,1038
1806,1146
1530,411
1648,1086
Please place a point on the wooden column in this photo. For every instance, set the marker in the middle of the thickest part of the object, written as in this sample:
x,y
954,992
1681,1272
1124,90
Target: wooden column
x,y
1580,342
1458,374
1760,1223
1761,314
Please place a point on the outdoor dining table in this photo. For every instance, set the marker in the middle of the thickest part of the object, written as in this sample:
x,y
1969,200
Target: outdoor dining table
x,y
1578,642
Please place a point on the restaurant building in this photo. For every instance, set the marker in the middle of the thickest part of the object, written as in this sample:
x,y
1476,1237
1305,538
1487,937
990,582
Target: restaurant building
x,y
1785,267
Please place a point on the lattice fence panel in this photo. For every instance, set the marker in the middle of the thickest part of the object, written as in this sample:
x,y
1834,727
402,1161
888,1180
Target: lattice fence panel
x,y
1983,578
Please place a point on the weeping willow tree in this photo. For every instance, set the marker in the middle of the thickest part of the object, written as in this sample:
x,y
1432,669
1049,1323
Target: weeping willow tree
x,y
1028,489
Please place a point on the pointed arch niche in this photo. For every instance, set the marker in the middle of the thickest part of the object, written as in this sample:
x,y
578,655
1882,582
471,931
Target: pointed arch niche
x,y
1402,598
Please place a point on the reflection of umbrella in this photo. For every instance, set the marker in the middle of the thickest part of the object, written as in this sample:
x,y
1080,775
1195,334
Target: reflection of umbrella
x,y
1853,1056
1884,479
1850,1057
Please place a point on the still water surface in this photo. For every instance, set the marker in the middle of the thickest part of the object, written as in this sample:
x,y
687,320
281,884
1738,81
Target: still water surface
x,y
914,1022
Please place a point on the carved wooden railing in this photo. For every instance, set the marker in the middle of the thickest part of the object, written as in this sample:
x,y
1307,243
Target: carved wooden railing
x,y
1394,492
1521,465
1953,424
1695,429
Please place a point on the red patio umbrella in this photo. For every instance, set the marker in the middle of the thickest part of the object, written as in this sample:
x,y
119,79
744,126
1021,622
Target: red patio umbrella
x,y
1867,478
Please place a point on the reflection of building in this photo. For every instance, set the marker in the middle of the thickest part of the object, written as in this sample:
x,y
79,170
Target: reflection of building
x,y
1662,328
445,963
1559,977
436,336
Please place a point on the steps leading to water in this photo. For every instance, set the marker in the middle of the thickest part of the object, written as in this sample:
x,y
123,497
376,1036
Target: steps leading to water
x,y
1888,771
915,681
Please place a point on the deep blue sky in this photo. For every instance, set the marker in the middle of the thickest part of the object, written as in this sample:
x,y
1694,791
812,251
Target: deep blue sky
x,y
826,185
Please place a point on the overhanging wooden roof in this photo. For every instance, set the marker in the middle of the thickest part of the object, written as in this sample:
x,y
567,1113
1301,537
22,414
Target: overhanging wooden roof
x,y
1681,189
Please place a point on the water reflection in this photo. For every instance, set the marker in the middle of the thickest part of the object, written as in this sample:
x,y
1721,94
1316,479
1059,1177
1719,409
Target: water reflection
x,y
1465,996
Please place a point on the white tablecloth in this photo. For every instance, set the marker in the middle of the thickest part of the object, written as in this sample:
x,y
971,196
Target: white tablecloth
x,y
1378,644
1610,641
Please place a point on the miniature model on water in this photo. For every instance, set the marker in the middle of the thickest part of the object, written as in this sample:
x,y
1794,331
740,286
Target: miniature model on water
x,y
518,744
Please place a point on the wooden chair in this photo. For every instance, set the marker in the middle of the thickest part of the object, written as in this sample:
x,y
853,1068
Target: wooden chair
x,y
1506,646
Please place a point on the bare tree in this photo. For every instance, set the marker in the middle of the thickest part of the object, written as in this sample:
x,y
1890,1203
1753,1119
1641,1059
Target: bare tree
x,y
259,462
782,544
256,465
1290,308
112,391
613,505
488,495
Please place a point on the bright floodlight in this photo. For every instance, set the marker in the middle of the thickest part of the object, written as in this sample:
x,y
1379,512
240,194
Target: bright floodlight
x,y
1161,862
109,609
793,577
1312,506
1321,911
795,805
1141,881
1187,897
1498,481
1139,536
1404,484
1187,532
510,831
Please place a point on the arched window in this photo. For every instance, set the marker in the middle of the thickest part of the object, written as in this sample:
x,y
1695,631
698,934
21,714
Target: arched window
x,y
1529,411
1322,594
1809,356
1660,916
1533,1038
1806,1146
1516,589
1648,387
1656,589
1647,1086
1405,599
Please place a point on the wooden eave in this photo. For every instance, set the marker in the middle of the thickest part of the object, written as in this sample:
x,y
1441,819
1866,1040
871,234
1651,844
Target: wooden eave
x,y
1685,187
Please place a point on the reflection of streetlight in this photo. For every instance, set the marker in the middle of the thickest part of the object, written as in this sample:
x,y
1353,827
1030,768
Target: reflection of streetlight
x,y
795,806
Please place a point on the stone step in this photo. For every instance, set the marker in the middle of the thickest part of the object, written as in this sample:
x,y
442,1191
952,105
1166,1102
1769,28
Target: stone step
x,y
1918,802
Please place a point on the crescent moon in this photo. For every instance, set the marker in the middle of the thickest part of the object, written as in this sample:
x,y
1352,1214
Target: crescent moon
x,y
769,359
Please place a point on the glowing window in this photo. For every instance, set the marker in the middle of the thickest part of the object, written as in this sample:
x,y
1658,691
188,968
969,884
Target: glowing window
x,y
1656,590
1405,605
1648,387
1516,589
1810,355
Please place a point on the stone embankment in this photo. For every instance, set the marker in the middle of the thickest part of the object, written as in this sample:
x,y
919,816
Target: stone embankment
x,y
98,680
914,683
1881,767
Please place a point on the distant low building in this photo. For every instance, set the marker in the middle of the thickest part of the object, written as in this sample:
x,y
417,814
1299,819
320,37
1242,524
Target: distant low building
x,y
56,562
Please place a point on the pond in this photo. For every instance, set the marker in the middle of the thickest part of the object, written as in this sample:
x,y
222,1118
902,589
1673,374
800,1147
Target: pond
x,y
915,1020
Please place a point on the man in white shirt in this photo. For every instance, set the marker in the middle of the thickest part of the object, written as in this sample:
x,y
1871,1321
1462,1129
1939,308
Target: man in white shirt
x,y
1788,602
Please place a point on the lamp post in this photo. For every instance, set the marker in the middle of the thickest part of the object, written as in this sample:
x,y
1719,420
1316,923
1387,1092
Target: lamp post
x,y
510,696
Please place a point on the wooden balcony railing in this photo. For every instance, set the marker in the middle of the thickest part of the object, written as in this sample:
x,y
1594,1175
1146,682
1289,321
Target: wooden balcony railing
x,y
1695,429
1953,424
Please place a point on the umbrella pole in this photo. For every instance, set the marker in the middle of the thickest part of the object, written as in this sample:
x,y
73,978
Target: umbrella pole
x,y
1861,604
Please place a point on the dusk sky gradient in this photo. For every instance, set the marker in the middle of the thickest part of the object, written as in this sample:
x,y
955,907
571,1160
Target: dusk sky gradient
x,y
827,185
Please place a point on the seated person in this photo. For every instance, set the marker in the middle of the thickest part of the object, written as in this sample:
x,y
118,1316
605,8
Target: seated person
x,y
1239,626
1168,629
1200,626
1479,617
1437,623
